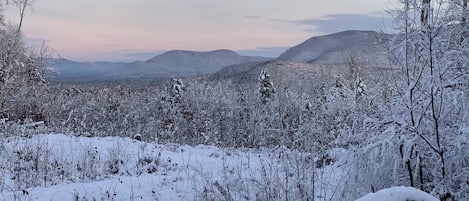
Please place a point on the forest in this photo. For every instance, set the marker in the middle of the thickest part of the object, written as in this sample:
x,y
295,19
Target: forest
x,y
401,124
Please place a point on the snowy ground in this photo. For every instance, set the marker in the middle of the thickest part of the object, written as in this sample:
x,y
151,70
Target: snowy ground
x,y
59,167
399,193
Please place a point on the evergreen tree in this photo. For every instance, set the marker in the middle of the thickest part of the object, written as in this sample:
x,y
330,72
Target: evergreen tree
x,y
177,89
267,88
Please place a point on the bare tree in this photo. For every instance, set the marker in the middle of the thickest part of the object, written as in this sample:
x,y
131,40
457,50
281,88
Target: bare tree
x,y
22,5
427,100
41,57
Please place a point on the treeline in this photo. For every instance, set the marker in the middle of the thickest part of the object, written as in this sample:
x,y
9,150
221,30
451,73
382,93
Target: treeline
x,y
194,111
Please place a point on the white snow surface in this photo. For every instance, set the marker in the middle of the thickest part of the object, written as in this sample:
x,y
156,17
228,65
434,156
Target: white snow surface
x,y
83,164
57,167
399,193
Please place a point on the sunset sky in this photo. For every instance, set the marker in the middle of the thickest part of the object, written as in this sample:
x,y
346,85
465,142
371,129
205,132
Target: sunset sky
x,y
127,30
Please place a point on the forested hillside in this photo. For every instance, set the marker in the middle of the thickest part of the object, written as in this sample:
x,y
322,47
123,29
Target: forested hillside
x,y
331,130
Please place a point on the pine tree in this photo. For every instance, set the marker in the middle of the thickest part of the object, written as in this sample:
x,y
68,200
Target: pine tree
x,y
177,89
267,88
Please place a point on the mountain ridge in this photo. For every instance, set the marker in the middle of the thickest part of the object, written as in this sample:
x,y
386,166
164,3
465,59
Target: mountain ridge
x,y
368,46
168,64
364,46
184,63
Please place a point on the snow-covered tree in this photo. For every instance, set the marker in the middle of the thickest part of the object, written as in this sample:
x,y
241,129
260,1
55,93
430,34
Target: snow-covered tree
x,y
267,88
177,88
417,138
18,72
22,5
428,69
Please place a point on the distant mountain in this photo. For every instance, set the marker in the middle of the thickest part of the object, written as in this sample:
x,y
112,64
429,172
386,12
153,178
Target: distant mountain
x,y
67,68
368,46
173,63
183,63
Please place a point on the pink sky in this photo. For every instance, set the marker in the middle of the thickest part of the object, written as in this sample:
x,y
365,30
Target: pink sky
x,y
91,30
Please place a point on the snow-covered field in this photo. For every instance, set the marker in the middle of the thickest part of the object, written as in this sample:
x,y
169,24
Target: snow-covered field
x,y
60,167
56,167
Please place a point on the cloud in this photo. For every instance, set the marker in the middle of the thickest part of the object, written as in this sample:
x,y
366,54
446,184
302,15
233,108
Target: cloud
x,y
340,22
272,52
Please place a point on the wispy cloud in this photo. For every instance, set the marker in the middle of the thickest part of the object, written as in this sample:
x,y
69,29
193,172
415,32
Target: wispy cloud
x,y
92,30
339,22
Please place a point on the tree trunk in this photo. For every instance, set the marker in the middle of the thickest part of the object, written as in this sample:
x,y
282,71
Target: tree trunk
x,y
464,11
425,11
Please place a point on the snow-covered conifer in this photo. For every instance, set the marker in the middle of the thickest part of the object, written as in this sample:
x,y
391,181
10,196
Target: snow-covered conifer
x,y
267,88
361,87
177,88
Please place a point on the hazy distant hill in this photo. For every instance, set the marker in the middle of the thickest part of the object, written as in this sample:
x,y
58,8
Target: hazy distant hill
x,y
369,46
67,68
172,63
183,63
